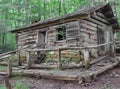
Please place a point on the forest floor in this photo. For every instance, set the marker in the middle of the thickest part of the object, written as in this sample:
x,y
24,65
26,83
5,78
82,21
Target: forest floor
x,y
108,80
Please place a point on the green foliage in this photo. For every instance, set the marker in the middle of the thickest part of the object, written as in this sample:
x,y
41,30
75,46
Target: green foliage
x,y
20,86
3,68
2,87
17,86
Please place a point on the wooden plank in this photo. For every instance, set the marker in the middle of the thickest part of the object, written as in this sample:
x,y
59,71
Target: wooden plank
x,y
95,21
25,40
100,19
89,23
19,59
100,71
34,50
24,33
9,68
88,27
45,75
59,59
83,30
28,59
3,73
70,48
101,15
51,34
74,24
72,29
86,58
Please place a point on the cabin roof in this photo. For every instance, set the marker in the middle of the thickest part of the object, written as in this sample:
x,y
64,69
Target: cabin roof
x,y
83,13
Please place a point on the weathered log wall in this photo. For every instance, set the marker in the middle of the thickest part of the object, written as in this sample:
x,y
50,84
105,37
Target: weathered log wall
x,y
82,32
24,39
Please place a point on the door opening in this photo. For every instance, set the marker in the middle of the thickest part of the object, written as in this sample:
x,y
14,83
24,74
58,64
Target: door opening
x,y
41,39
101,40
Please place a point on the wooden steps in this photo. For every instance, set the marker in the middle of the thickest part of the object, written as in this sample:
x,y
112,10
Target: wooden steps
x,y
80,75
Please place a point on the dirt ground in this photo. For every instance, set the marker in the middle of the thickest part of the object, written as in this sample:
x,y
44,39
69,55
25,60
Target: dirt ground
x,y
108,80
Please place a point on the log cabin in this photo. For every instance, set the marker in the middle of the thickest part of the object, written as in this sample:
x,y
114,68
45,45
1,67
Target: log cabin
x,y
85,27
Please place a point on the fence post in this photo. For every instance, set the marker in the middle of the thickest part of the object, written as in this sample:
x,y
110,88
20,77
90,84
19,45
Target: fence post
x,y
9,68
28,59
7,83
113,49
59,59
86,58
19,60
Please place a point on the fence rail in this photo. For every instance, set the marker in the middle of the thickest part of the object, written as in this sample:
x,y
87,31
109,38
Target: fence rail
x,y
85,49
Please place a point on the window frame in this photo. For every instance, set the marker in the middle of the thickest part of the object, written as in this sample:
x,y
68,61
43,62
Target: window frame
x,y
57,29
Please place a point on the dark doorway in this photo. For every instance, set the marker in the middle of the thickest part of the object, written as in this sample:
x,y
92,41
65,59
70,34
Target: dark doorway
x,y
41,39
101,39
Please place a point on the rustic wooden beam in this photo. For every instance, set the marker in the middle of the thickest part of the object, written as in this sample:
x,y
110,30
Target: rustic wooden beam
x,y
59,59
45,75
19,59
28,59
9,68
10,53
86,58
7,83
89,23
101,15
105,68
100,19
70,48
94,21
3,73
34,50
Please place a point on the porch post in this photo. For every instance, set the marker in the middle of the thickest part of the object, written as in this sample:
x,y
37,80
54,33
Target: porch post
x,y
86,58
19,60
28,59
59,59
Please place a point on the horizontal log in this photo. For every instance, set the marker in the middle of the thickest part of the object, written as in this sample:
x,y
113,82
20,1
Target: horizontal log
x,y
25,40
34,50
95,21
45,75
89,23
73,29
3,73
89,27
100,20
26,43
100,71
71,48
12,52
101,15
87,32
24,33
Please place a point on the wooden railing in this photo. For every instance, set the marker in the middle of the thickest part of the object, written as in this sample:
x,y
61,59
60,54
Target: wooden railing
x,y
85,49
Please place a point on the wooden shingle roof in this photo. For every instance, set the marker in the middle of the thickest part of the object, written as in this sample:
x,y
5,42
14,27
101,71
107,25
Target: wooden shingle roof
x,y
84,13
